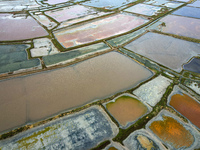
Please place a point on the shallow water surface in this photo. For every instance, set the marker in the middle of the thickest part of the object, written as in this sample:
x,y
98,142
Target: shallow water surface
x,y
19,28
41,95
111,4
172,132
15,57
145,143
142,140
97,30
53,2
189,107
188,12
168,51
182,26
69,12
195,4
144,9
193,65
126,109
171,4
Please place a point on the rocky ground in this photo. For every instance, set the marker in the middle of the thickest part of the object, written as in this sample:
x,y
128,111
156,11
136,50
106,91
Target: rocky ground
x,y
100,74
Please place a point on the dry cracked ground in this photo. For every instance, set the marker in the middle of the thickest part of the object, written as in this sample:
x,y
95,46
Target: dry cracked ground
x,y
99,74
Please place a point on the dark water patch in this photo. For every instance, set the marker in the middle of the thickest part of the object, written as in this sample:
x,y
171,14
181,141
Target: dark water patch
x,y
193,65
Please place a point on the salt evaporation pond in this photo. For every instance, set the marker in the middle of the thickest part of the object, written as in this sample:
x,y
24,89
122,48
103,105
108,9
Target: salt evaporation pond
x,y
172,132
111,4
171,4
195,4
189,107
188,12
126,109
69,13
19,28
182,26
78,131
44,94
144,9
142,140
73,14
97,30
193,65
53,2
168,51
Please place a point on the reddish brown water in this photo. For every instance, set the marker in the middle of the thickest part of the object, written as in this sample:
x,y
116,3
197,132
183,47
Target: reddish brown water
x,y
187,106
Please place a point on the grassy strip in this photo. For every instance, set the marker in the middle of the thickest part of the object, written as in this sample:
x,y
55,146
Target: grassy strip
x,y
141,60
110,116
6,76
101,145
28,50
26,127
178,37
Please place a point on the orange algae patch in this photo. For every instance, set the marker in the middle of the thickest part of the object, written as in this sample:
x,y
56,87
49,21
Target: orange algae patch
x,y
126,109
112,148
187,106
172,132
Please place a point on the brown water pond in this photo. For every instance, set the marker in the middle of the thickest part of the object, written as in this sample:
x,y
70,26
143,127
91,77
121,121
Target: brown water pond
x,y
37,96
126,109
187,106
172,132
112,148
